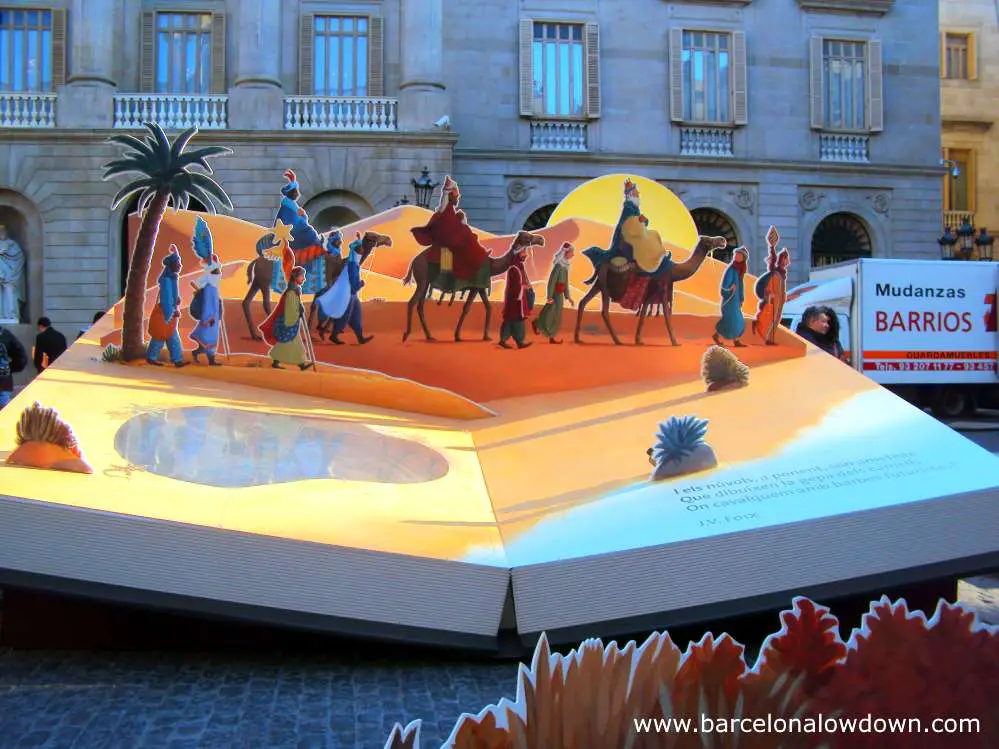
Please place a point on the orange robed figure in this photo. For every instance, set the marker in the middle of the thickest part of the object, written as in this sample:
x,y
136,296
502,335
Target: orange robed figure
x,y
771,288
448,229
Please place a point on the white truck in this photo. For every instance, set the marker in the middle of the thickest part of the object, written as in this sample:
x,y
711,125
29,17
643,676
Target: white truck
x,y
925,329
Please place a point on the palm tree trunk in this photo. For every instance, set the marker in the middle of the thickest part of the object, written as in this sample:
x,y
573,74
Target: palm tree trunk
x,y
132,334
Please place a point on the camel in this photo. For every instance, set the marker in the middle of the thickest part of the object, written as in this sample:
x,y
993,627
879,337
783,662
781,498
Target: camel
x,y
335,265
420,272
658,292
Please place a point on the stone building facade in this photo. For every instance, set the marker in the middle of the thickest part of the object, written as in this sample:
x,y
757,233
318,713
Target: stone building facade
x,y
819,116
969,67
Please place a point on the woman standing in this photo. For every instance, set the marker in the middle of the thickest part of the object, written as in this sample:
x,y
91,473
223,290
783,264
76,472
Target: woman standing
x,y
820,327
549,320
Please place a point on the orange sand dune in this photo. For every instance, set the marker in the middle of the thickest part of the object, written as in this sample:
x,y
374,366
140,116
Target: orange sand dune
x,y
342,384
481,371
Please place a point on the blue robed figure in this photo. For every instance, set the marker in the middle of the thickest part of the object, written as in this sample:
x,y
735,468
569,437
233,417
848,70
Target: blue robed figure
x,y
206,307
732,324
306,242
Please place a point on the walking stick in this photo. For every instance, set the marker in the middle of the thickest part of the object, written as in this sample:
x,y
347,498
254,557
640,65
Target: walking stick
x,y
310,351
224,335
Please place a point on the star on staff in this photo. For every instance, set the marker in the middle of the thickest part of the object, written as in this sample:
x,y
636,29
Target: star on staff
x,y
282,231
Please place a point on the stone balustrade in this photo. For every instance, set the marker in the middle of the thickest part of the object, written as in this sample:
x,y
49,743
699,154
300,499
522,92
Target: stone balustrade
x,y
171,111
340,113
839,147
26,109
706,141
558,135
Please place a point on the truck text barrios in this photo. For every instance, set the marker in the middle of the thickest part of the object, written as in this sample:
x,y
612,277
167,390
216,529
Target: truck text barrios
x,y
913,321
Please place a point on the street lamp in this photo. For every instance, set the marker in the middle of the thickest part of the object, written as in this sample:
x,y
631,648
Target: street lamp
x,y
966,236
947,243
424,188
984,244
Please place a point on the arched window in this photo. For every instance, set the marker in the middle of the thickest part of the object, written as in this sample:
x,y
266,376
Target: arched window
x,y
712,223
838,238
539,219
125,244
336,215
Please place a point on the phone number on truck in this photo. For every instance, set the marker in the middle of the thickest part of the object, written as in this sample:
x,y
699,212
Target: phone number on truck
x,y
930,366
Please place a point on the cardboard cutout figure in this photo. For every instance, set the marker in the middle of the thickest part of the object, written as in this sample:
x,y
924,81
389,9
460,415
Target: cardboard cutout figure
x,y
641,282
206,306
165,317
549,320
680,448
282,330
771,288
305,243
732,324
259,275
517,301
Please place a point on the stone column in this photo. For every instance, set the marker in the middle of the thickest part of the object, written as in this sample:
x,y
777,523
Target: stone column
x,y
87,99
423,97
256,100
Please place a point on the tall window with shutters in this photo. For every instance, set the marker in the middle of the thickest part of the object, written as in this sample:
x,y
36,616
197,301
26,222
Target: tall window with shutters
x,y
559,69
959,191
958,56
341,56
708,77
183,52
32,49
846,85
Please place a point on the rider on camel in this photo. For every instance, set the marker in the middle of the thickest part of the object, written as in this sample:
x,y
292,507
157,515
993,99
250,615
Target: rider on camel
x,y
454,247
632,240
306,243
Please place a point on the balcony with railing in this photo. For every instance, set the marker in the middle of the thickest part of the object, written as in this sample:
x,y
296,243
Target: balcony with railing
x,y
846,148
705,141
172,111
956,219
558,135
27,109
364,113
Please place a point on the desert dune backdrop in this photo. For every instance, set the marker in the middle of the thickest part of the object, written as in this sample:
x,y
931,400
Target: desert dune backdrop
x,y
235,243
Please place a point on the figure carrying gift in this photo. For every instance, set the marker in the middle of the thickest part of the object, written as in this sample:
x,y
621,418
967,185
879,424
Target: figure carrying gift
x,y
306,243
549,320
206,306
771,288
165,317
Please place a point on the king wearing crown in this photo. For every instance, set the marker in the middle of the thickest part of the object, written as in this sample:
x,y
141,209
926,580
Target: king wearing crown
x,y
452,243
633,241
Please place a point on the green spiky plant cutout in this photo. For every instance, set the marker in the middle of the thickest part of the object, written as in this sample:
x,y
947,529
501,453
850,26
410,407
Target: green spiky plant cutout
x,y
678,437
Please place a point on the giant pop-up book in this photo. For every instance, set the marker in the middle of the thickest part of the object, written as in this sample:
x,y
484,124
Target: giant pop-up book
x,y
410,427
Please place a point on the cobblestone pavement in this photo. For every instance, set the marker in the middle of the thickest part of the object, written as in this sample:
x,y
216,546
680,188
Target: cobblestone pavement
x,y
187,701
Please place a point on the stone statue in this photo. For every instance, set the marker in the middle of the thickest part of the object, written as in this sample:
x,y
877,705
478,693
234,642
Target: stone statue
x,y
12,273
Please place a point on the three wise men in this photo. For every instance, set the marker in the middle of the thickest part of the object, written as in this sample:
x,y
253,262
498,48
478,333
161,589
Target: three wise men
x,y
517,301
306,243
771,288
732,324
282,328
12,273
549,320
165,317
453,246
206,306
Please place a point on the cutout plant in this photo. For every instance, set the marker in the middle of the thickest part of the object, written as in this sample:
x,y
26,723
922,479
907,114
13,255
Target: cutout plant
x,y
898,665
680,448
163,174
111,353
720,368
44,440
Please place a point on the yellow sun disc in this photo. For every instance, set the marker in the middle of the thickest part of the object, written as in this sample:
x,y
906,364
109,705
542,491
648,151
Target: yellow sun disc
x,y
600,200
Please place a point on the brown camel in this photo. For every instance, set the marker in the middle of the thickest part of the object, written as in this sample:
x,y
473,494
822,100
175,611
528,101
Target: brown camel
x,y
658,292
259,275
335,265
420,272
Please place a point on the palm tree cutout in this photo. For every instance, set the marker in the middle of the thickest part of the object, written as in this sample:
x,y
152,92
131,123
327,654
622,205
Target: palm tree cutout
x,y
162,174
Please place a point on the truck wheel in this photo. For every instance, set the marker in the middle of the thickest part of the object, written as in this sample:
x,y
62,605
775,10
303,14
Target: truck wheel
x,y
952,402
